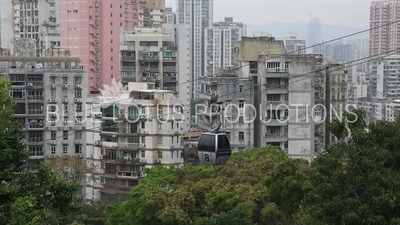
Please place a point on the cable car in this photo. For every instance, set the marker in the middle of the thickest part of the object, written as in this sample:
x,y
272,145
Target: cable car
x,y
214,148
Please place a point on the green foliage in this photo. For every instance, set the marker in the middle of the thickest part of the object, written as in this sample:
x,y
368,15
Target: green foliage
x,y
27,198
356,182
251,188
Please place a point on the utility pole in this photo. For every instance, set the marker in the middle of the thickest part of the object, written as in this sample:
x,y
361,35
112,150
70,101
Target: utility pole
x,y
327,105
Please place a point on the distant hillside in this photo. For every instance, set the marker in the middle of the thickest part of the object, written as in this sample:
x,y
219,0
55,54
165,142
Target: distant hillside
x,y
329,32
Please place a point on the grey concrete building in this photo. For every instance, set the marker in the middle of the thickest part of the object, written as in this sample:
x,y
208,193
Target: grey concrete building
x,y
237,96
284,94
50,101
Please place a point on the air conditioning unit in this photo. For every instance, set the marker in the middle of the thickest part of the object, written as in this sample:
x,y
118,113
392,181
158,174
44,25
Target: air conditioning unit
x,y
96,31
50,100
65,122
77,100
47,128
144,78
65,86
97,67
70,128
97,49
96,40
59,128
30,85
143,161
53,86
96,14
78,86
158,161
143,145
97,57
172,146
97,75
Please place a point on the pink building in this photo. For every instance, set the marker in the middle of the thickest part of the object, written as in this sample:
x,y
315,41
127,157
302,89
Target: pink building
x,y
91,30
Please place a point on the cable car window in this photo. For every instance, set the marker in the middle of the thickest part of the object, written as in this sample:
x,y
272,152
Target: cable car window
x,y
223,142
206,143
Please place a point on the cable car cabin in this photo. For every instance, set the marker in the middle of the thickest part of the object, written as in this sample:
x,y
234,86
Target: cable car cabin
x,y
214,149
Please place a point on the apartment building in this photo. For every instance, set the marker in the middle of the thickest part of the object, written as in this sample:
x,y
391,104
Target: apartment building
x,y
49,95
283,100
170,16
91,30
314,32
199,15
379,109
383,38
151,55
236,96
35,20
143,132
292,44
386,77
151,13
219,41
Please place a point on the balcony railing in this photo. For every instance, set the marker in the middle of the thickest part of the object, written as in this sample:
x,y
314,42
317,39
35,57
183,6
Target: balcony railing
x,y
277,70
35,97
128,145
276,135
128,174
128,67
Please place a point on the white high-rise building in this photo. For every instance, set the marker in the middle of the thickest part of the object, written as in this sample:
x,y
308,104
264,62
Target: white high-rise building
x,y
219,42
199,14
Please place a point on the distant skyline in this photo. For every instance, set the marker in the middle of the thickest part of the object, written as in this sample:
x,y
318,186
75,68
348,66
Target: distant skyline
x,y
354,13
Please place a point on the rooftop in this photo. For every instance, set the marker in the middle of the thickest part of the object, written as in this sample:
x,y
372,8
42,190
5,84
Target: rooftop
x,y
38,59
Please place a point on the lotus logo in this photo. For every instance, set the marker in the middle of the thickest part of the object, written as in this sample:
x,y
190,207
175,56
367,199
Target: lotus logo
x,y
114,94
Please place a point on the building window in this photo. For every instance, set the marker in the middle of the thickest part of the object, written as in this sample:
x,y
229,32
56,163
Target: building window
x,y
65,149
159,154
78,93
52,80
53,135
78,107
241,135
36,150
160,140
143,154
78,149
78,135
65,80
241,104
241,121
241,88
53,149
65,135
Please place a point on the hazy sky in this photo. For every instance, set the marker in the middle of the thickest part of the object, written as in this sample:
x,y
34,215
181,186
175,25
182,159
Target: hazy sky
x,y
354,13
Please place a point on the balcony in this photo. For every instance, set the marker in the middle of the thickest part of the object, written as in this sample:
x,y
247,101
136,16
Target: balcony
x,y
129,145
276,137
280,121
273,105
132,68
277,88
169,59
128,174
277,72
35,97
109,129
149,59
128,58
169,68
208,96
170,79
110,144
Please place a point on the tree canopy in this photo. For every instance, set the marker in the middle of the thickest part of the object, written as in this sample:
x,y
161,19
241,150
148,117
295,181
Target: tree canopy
x,y
356,182
255,186
27,198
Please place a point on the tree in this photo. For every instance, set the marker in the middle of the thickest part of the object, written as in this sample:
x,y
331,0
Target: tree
x,y
27,198
251,188
357,182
